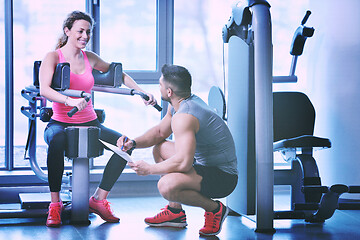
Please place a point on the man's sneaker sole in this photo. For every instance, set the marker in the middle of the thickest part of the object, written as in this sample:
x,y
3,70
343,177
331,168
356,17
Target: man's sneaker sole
x,y
167,224
222,220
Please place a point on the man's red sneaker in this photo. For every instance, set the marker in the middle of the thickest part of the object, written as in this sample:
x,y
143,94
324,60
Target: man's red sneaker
x,y
166,218
213,221
54,214
103,209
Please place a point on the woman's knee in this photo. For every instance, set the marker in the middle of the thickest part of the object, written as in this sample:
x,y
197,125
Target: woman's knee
x,y
57,144
54,133
58,139
109,135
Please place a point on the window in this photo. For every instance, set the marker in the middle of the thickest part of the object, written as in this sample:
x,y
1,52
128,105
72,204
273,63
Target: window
x,y
131,39
129,116
128,33
285,21
131,32
198,43
37,26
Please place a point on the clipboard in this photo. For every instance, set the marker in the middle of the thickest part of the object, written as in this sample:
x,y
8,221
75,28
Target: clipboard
x,y
116,150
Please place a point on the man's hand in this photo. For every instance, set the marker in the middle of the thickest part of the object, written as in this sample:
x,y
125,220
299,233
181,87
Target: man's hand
x,y
124,143
141,168
152,101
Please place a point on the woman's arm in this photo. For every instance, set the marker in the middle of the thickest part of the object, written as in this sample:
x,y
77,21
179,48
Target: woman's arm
x,y
96,62
46,72
130,83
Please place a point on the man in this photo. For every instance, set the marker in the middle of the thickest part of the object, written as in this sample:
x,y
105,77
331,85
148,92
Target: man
x,y
198,166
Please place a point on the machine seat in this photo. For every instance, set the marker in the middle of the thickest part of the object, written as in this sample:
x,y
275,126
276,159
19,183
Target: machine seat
x,y
305,141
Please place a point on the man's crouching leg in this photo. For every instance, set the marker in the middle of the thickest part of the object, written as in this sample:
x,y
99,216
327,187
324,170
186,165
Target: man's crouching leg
x,y
185,189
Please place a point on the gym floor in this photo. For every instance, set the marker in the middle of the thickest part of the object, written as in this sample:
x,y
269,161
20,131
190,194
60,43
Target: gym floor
x,y
132,211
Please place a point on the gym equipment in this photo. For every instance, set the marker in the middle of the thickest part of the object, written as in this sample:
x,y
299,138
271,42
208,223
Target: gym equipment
x,y
294,119
293,124
83,145
216,101
248,34
84,142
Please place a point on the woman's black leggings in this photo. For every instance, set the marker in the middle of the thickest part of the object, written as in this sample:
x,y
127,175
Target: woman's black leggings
x,y
55,137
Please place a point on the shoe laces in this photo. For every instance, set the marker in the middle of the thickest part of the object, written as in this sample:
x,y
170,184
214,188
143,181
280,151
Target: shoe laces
x,y
211,220
107,206
54,212
164,211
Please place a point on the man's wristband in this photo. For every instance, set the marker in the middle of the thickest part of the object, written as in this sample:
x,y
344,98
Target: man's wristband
x,y
133,145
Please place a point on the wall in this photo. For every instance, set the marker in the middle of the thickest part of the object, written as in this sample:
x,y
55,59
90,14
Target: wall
x,y
333,84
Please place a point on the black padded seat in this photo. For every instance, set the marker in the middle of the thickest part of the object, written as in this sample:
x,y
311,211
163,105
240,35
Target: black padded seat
x,y
294,115
294,120
305,141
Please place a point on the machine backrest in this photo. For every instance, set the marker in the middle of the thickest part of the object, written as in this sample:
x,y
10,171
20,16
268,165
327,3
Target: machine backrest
x,y
61,79
216,101
112,78
36,73
294,115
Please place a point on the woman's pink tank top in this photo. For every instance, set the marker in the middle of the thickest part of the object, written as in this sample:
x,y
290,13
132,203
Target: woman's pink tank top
x,y
83,82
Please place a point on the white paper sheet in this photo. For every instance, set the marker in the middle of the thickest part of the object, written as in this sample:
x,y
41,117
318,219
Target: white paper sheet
x,y
119,152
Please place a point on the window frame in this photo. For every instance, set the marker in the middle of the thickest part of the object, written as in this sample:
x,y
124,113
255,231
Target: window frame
x,y
164,38
164,54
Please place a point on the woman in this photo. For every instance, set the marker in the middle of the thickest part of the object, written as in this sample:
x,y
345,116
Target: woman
x,y
77,30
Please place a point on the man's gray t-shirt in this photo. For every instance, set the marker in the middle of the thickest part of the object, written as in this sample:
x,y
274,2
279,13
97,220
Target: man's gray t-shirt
x,y
214,142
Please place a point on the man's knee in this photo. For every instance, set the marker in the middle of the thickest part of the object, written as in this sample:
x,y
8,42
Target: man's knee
x,y
156,150
167,188
162,151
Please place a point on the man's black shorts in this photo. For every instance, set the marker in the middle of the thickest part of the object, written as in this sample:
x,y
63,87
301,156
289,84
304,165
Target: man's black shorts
x,y
215,183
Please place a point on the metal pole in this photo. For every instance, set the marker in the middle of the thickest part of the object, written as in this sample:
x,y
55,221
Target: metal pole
x,y
9,87
263,116
165,38
80,180
93,8
80,191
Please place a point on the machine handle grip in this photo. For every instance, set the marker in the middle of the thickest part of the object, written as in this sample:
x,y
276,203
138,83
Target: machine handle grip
x,y
306,17
75,109
146,97
158,107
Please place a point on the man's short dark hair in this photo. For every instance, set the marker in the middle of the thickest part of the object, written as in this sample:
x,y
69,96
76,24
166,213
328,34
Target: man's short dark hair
x,y
179,79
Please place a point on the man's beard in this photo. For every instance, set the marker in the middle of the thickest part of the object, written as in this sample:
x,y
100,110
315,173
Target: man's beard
x,y
165,99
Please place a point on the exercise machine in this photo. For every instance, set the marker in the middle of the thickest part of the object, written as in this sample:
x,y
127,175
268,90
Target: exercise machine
x,y
290,112
83,148
248,35
294,119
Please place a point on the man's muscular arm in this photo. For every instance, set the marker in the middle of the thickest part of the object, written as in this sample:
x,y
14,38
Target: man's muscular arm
x,y
184,127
